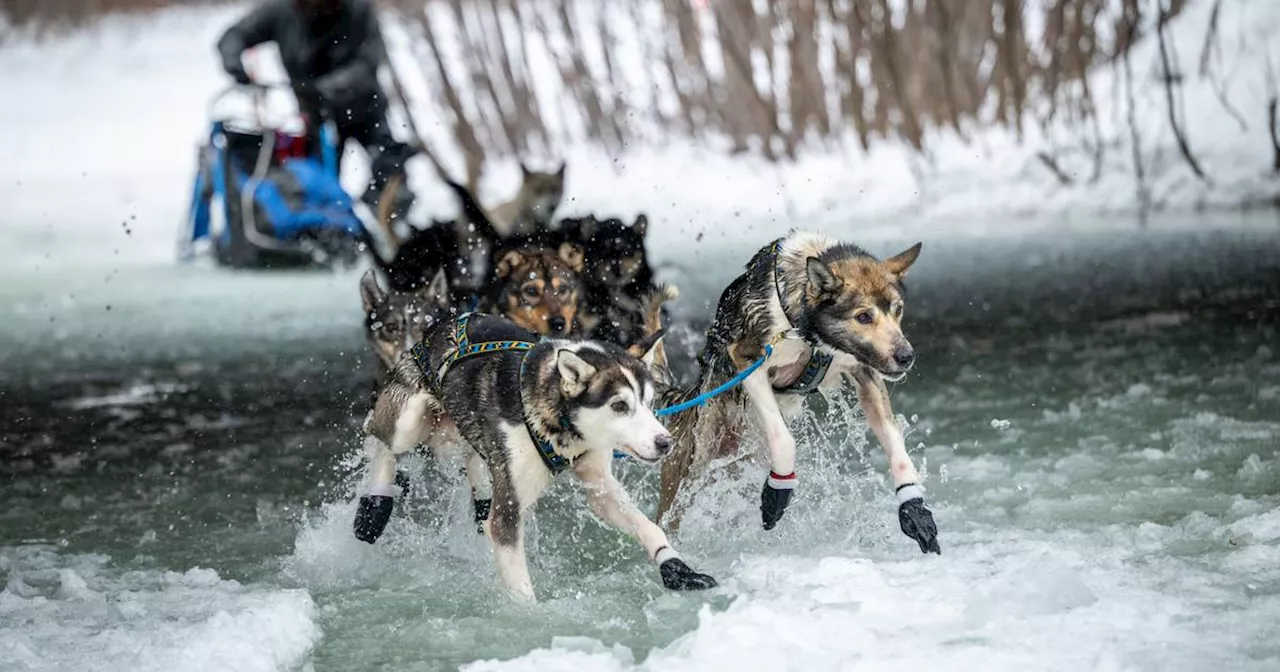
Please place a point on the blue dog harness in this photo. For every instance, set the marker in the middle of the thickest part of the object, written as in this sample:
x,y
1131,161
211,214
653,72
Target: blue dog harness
x,y
463,348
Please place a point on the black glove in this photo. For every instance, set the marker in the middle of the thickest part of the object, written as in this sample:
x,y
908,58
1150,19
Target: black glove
x,y
482,507
309,99
236,70
677,576
372,517
917,523
775,497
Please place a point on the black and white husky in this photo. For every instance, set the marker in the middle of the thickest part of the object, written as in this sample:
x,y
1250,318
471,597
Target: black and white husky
x,y
525,410
828,311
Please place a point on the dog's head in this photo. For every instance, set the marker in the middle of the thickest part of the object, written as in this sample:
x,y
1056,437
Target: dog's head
x,y
615,250
395,321
538,286
542,191
854,303
608,396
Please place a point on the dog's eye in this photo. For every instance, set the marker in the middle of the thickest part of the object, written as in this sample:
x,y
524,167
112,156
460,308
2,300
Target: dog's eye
x,y
865,317
531,292
620,407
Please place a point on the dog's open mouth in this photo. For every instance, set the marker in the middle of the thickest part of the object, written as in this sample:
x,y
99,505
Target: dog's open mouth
x,y
893,377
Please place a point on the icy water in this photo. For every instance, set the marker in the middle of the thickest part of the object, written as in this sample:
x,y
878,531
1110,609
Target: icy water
x,y
1097,412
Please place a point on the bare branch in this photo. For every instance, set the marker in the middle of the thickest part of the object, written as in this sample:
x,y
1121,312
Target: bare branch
x,y
1210,39
1178,134
1052,164
1273,131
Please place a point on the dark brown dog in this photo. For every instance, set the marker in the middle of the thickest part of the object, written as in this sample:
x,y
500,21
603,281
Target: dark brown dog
x,y
538,286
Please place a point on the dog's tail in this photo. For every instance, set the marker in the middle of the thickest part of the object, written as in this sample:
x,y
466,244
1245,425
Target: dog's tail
x,y
683,425
472,212
385,206
677,465
651,310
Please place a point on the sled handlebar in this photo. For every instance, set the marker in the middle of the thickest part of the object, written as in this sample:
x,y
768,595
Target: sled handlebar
x,y
252,88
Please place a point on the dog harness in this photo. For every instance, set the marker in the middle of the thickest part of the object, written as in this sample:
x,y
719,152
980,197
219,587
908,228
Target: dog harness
x,y
819,362
462,349
816,368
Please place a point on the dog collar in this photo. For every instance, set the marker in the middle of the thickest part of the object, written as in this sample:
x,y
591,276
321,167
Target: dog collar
x,y
555,462
816,368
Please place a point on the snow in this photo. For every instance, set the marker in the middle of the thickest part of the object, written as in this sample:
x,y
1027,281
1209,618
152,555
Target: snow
x,y
103,137
99,152
64,611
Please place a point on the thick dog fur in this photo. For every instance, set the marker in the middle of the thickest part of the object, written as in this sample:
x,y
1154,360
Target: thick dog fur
x,y
589,399
533,206
537,286
463,247
395,320
617,276
829,294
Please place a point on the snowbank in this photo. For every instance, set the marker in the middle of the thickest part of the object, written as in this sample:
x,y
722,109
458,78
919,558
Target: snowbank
x,y
61,612
100,145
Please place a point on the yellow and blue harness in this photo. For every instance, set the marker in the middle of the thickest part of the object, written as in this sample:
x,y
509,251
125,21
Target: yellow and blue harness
x,y
463,348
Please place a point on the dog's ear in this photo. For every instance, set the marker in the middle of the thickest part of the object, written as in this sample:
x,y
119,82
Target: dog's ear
x,y
371,294
524,170
560,170
508,263
437,291
646,348
572,256
899,263
642,225
575,372
822,280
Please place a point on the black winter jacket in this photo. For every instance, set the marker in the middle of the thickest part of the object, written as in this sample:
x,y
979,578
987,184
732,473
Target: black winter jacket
x,y
332,60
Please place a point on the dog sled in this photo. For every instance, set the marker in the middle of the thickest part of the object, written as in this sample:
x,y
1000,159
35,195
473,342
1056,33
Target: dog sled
x,y
267,195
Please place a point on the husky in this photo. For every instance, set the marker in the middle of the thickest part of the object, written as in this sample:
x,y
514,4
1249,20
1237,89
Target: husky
x,y
827,310
463,247
526,409
395,320
533,206
537,286
617,276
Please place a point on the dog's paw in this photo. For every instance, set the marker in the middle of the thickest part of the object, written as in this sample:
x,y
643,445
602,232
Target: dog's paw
x,y
677,576
482,507
372,517
917,523
775,497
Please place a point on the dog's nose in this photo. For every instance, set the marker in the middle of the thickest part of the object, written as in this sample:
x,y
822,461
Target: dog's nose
x,y
664,444
556,323
904,356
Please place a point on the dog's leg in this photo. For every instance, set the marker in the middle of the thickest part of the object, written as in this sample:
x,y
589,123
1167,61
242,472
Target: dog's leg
x,y
782,448
506,532
415,421
519,477
481,487
916,520
374,511
609,501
